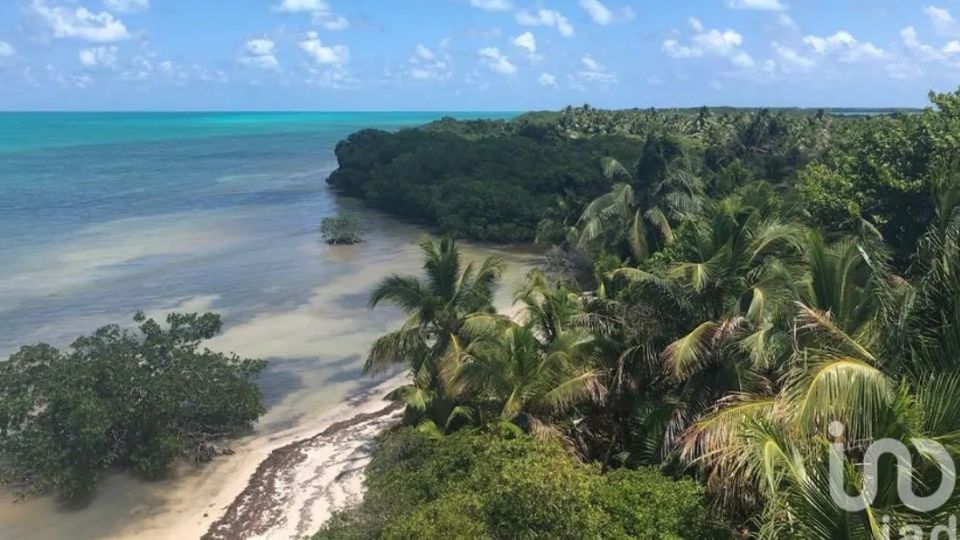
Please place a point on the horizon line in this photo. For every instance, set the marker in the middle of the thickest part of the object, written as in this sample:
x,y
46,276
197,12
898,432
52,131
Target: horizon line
x,y
347,111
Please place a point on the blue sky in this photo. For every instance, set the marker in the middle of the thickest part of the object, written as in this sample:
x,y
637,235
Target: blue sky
x,y
472,54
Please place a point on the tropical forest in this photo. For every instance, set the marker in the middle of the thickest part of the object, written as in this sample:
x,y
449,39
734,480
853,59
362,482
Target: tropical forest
x,y
732,306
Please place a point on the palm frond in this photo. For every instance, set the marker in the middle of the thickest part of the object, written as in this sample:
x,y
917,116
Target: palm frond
x,y
839,388
692,352
586,386
402,346
406,292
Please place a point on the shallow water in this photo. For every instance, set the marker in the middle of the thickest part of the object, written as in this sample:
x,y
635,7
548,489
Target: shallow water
x,y
215,212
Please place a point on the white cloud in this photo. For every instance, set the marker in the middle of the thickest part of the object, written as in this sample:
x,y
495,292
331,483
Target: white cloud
x,y
492,5
127,6
904,71
424,53
546,17
320,10
333,77
80,23
787,22
600,13
761,5
594,72
909,37
653,80
942,20
725,44
99,57
332,22
260,53
6,49
68,80
496,61
924,52
333,55
427,64
844,46
526,41
547,79
790,60
147,67
205,75
591,64
303,6
173,72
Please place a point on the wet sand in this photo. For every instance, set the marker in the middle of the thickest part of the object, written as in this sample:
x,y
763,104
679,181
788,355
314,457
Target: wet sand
x,y
315,347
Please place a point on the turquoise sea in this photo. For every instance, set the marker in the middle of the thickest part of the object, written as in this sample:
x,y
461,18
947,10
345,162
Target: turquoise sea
x,y
104,214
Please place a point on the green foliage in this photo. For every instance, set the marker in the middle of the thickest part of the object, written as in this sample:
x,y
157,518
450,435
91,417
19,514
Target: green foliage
x,y
830,198
496,180
758,275
628,496
342,229
478,485
117,398
437,306
495,187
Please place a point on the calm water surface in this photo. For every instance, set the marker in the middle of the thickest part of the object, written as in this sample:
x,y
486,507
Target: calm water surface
x,y
105,214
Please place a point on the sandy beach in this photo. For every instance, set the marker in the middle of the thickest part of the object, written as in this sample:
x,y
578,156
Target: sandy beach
x,y
281,486
286,486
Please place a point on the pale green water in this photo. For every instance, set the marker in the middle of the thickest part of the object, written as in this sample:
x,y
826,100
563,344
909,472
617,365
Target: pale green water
x,y
105,214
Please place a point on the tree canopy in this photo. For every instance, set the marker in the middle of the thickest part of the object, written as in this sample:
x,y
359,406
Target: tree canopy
x,y
474,485
136,400
341,229
754,278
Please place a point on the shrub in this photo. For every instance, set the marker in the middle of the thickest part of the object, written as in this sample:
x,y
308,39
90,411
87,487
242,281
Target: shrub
x,y
120,399
342,229
477,485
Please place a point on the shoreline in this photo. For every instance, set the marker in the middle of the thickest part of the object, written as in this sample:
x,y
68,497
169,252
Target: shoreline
x,y
276,491
284,485
299,485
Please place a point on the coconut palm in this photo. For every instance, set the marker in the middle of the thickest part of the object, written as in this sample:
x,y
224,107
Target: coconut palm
x,y
642,207
437,307
510,374
548,308
871,351
726,295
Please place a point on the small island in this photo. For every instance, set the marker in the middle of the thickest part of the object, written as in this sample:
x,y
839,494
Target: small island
x,y
343,229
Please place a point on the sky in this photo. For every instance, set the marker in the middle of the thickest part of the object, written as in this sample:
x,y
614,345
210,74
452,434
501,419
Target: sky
x,y
473,55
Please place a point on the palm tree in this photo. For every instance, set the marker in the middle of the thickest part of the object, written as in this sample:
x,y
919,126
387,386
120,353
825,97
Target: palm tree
x,y
437,308
661,192
509,374
709,322
872,351
549,308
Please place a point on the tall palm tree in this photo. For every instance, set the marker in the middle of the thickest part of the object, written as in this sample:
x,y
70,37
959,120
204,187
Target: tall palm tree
x,y
549,308
661,191
437,307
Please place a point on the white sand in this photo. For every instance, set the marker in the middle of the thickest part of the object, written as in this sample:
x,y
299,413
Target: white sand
x,y
328,476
